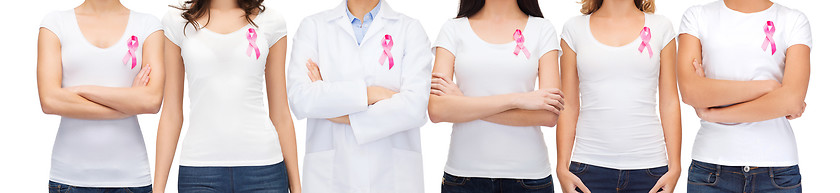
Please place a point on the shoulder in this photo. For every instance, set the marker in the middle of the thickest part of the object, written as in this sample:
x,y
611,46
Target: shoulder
x,y
657,20
56,15
173,19
575,22
699,10
145,17
452,25
270,15
542,23
790,13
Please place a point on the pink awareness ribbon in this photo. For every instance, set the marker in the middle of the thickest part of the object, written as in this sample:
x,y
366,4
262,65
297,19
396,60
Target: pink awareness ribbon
x,y
252,42
387,44
132,48
645,35
520,41
769,30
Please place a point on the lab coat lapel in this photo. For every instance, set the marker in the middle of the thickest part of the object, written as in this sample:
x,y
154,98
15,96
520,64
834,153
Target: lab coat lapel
x,y
385,15
339,14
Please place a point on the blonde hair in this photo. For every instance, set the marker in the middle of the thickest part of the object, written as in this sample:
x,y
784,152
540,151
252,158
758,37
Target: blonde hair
x,y
590,6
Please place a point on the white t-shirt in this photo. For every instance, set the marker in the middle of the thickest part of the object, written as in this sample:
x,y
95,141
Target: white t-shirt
x,y
618,126
484,149
99,153
732,50
229,124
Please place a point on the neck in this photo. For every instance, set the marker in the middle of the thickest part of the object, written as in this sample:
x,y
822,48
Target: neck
x,y
361,7
224,4
500,9
102,6
748,6
617,8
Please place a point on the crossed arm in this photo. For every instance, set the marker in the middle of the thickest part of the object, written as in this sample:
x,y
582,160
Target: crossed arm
x,y
754,100
537,108
98,102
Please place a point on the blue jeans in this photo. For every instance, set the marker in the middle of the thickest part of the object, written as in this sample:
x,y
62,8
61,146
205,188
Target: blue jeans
x,y
56,187
601,179
705,177
254,179
457,184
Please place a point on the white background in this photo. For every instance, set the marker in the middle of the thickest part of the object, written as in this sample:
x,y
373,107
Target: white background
x,y
26,134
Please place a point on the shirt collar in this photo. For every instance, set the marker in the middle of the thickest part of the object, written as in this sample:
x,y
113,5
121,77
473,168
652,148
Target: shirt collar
x,y
368,17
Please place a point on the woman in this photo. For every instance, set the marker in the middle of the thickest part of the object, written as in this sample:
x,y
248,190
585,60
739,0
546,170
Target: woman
x,y
497,49
747,47
620,144
227,49
360,75
91,72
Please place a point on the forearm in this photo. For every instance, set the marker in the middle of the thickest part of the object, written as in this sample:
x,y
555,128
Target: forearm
x,y
458,109
672,128
520,117
778,103
566,126
132,101
169,130
705,92
67,104
288,143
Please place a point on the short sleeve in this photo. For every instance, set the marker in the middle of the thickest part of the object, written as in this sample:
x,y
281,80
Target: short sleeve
x,y
800,32
273,25
174,26
53,22
151,24
548,39
667,31
568,33
447,38
691,21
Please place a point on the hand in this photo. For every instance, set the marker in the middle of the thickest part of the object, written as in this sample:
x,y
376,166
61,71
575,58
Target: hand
x,y
442,85
341,120
376,94
142,78
543,99
667,183
314,71
698,68
799,114
569,182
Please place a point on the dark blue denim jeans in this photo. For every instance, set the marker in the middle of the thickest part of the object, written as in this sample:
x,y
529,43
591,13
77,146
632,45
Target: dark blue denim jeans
x,y
458,184
56,187
253,179
707,178
601,179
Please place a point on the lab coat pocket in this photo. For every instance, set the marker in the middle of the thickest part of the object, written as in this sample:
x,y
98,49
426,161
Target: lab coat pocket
x,y
318,171
408,166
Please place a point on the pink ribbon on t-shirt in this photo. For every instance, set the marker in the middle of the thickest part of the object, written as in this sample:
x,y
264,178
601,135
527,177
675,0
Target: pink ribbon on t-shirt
x,y
133,43
520,44
387,44
645,35
252,42
769,30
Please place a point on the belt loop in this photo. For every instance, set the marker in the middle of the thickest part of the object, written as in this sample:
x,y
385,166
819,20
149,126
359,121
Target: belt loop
x,y
717,170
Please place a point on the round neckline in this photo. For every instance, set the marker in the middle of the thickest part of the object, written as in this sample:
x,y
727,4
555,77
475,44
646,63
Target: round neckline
x,y
592,36
474,34
247,25
116,44
725,7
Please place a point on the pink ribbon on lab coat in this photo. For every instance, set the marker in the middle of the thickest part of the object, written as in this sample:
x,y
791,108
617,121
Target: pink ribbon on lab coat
x,y
769,30
252,42
520,41
387,44
133,43
645,35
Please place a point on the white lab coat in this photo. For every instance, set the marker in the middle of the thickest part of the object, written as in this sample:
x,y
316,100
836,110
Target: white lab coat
x,y
380,152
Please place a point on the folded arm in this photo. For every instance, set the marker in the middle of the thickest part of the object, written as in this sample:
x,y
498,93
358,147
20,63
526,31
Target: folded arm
x,y
784,101
549,77
59,101
144,99
701,92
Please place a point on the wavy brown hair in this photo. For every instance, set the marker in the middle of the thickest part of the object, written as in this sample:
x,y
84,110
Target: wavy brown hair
x,y
590,6
194,9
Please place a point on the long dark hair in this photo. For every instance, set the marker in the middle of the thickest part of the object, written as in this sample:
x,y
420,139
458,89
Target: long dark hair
x,y
469,8
194,9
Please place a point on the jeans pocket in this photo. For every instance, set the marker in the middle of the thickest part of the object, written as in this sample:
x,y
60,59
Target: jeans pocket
x,y
657,172
577,168
701,174
786,177
452,180
55,187
536,183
